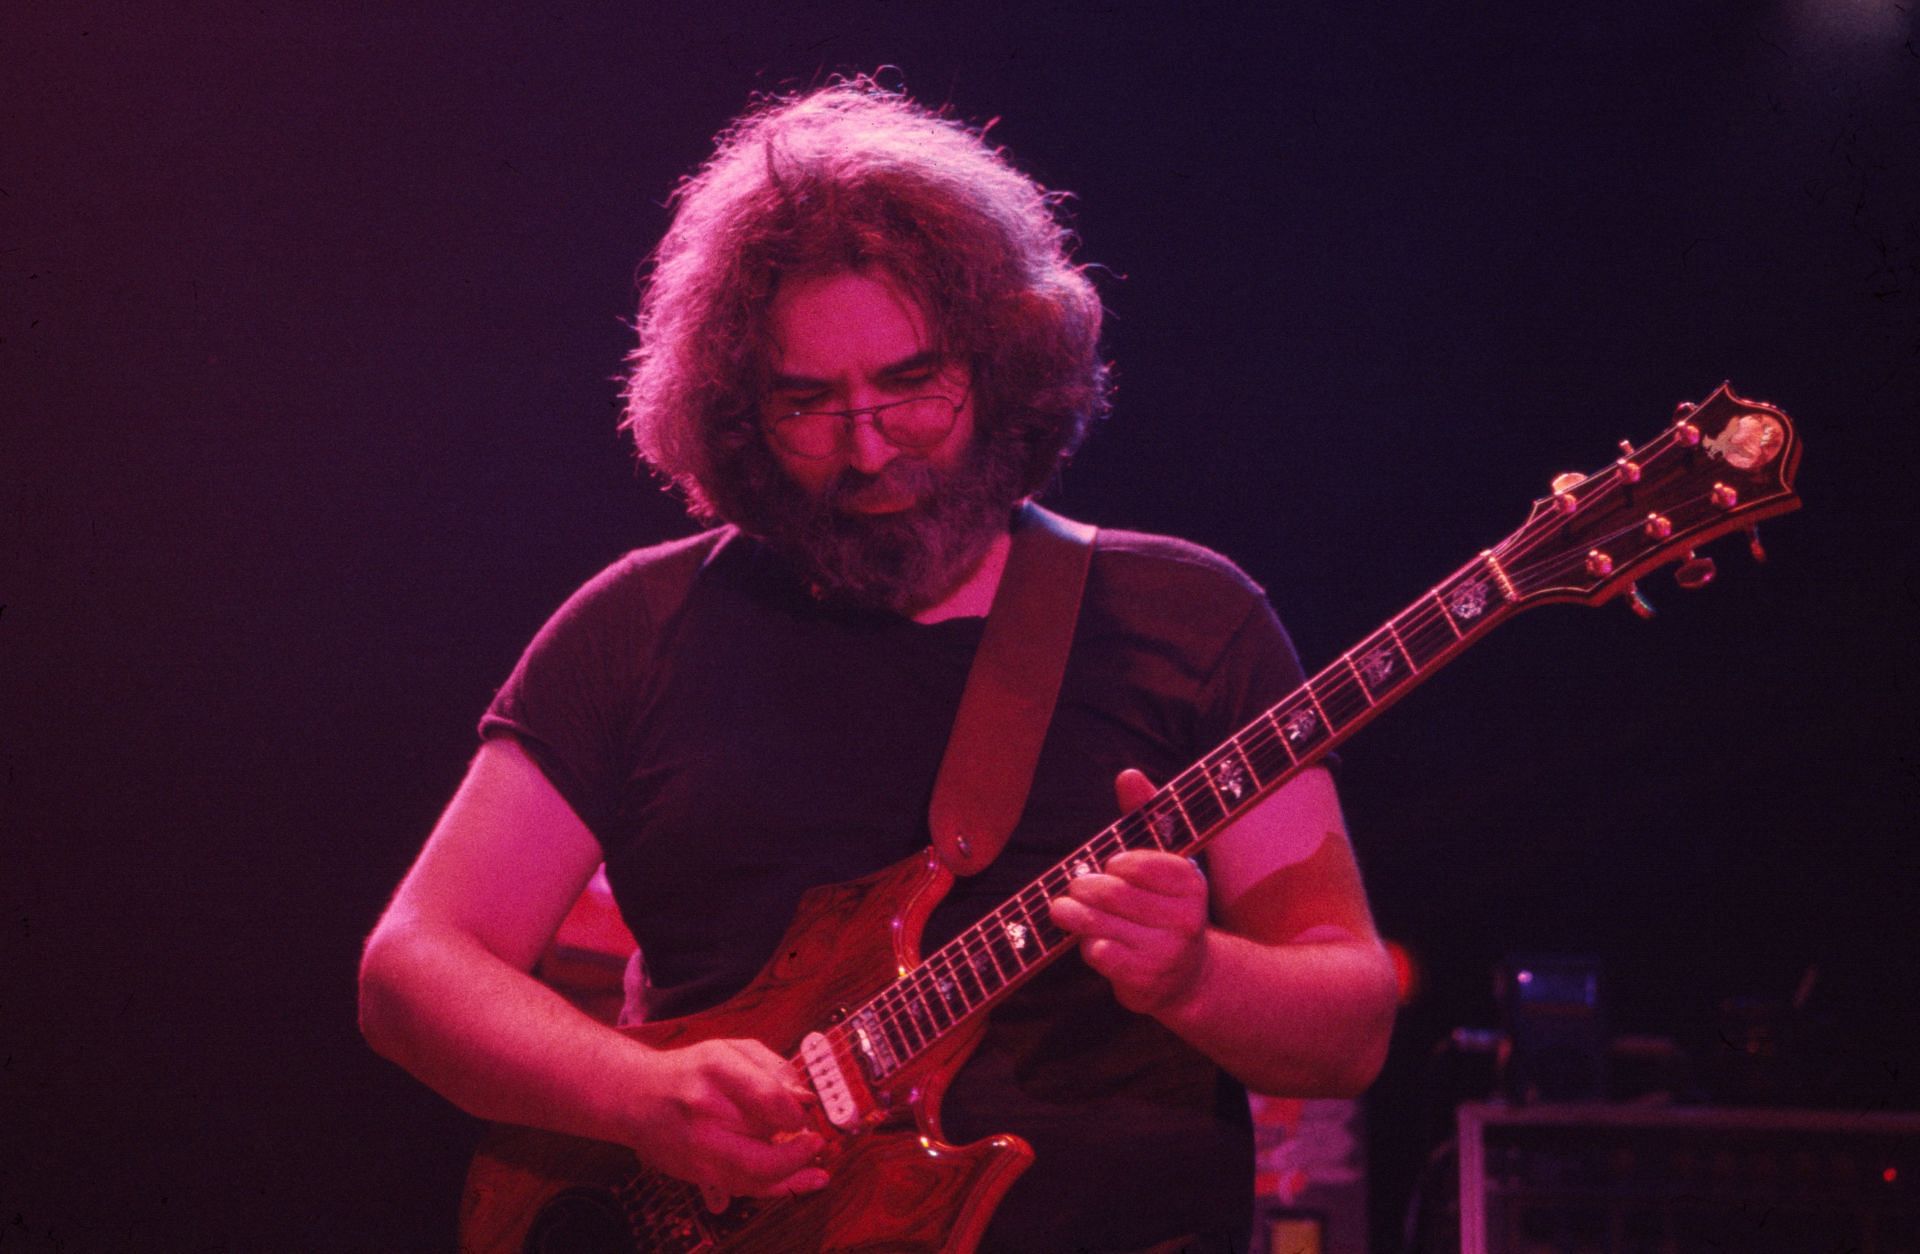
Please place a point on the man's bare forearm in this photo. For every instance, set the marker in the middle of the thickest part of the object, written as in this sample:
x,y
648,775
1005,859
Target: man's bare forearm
x,y
491,1039
1306,1019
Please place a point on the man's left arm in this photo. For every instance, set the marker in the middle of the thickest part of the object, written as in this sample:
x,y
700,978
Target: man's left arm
x,y
1273,968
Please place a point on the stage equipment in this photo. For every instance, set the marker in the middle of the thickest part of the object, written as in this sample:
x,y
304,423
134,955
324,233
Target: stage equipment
x,y
1609,1179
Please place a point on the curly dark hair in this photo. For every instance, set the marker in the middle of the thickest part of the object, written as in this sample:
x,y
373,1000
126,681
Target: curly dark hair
x,y
851,178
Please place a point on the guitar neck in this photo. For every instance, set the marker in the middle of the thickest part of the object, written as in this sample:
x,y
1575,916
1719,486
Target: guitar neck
x,y
1722,464
976,969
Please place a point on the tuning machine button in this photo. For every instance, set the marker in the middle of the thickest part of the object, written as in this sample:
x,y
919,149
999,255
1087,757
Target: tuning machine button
x,y
1637,601
1754,547
1723,496
1657,527
1688,434
1563,486
1629,468
1695,572
1599,565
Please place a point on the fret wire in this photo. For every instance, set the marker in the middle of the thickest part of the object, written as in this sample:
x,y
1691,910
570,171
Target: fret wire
x,y
968,971
1195,796
1413,667
963,962
1185,818
1225,770
993,933
1319,709
946,983
903,1019
1213,787
892,1028
1280,735
983,965
926,989
1040,924
1272,746
1447,615
1149,825
1358,679
1246,760
1020,920
1341,687
920,1006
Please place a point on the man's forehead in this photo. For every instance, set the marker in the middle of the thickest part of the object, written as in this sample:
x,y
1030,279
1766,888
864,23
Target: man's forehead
x,y
826,325
925,359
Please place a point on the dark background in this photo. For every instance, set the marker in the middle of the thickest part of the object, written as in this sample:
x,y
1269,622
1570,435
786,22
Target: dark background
x,y
307,330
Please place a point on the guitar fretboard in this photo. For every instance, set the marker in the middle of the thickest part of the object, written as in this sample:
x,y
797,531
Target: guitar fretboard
x,y
986,961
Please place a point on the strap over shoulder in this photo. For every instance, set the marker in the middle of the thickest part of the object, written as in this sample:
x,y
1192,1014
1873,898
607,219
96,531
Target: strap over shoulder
x,y
1011,690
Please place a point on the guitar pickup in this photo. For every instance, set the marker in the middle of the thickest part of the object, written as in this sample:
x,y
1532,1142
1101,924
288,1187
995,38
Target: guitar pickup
x,y
838,1098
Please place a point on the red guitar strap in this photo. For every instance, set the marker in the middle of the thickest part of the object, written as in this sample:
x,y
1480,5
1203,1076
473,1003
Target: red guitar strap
x,y
1011,689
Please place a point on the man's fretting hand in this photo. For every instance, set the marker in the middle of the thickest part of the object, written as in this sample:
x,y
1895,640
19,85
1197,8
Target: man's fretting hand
x,y
1141,919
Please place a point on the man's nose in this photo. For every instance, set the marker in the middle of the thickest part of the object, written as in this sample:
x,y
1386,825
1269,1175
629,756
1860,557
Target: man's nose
x,y
869,452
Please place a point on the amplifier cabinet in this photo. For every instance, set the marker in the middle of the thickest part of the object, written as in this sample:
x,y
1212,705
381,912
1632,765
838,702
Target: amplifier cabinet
x,y
1611,1179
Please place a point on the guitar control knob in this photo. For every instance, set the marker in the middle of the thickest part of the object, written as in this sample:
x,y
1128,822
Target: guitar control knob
x,y
1723,496
1695,572
1599,565
1754,549
1637,601
1658,527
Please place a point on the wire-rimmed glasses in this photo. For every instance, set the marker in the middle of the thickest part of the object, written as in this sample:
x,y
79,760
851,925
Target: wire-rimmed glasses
x,y
916,424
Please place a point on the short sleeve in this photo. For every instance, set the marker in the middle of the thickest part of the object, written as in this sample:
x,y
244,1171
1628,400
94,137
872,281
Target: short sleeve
x,y
572,699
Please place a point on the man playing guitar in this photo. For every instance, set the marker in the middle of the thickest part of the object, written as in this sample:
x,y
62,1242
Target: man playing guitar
x,y
862,346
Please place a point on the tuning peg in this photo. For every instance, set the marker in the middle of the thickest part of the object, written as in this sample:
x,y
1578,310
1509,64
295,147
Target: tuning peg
x,y
1637,601
1563,486
1695,572
1754,548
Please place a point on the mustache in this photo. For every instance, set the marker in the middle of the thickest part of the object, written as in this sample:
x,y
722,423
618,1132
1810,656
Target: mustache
x,y
900,475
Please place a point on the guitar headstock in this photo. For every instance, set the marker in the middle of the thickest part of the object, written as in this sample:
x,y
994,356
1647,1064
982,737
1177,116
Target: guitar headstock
x,y
1721,466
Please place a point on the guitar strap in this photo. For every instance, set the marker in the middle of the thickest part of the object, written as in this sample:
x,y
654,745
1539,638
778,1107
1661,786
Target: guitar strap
x,y
1011,689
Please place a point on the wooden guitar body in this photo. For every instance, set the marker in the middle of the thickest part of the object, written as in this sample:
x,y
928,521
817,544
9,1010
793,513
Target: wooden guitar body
x,y
897,1185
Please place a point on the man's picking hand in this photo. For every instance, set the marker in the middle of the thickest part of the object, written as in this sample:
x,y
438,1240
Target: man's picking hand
x,y
728,1116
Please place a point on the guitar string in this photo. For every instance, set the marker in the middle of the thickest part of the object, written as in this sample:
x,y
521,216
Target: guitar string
x,y
1261,748
1258,745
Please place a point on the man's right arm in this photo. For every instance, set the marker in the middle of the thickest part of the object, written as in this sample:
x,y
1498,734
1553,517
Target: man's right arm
x,y
445,991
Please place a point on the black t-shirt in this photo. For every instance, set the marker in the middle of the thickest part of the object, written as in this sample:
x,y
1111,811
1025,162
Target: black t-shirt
x,y
732,742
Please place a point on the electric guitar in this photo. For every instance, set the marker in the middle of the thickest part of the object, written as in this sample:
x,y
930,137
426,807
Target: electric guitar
x,y
877,1030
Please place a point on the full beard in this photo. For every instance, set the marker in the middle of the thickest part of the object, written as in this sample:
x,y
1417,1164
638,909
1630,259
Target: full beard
x,y
903,561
